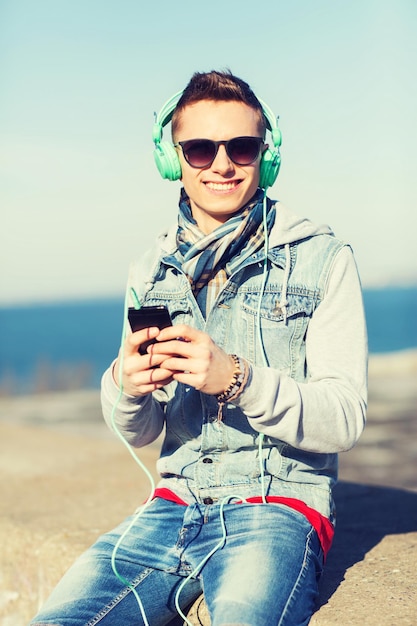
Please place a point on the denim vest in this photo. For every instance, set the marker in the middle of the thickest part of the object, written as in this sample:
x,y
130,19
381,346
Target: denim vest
x,y
206,459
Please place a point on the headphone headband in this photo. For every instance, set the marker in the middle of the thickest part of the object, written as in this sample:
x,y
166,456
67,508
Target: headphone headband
x,y
165,116
167,160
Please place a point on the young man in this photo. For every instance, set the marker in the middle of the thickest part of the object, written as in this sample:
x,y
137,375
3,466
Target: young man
x,y
259,383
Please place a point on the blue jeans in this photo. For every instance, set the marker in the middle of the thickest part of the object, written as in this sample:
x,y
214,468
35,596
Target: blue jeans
x,y
263,573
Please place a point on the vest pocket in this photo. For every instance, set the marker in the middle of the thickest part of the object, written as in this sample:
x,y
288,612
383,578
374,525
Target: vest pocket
x,y
279,326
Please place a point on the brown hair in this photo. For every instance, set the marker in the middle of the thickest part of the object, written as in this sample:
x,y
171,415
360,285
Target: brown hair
x,y
218,86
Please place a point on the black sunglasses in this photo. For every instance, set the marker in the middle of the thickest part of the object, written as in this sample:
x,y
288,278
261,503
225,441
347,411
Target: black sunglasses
x,y
202,152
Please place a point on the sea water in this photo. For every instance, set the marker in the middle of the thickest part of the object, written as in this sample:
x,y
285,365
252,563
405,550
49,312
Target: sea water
x,y
69,345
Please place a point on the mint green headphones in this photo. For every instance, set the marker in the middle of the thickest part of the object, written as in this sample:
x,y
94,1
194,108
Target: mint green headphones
x,y
168,163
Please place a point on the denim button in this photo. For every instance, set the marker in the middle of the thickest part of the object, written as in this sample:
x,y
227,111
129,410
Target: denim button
x,y
208,500
207,460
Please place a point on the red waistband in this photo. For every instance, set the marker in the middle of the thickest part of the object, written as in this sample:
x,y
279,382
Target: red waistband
x,y
321,524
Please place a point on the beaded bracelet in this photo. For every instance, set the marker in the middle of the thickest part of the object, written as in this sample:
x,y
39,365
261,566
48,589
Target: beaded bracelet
x,y
239,379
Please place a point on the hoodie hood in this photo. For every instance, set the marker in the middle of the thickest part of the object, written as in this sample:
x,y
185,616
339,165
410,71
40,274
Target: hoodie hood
x,y
290,227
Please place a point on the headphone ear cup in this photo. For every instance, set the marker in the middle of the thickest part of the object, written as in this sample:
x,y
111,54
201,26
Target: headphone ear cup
x,y
167,161
269,168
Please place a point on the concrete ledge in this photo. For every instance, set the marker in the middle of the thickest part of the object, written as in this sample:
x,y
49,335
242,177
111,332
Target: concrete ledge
x,y
370,576
65,479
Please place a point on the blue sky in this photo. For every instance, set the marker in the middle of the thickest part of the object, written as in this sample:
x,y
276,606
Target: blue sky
x,y
80,81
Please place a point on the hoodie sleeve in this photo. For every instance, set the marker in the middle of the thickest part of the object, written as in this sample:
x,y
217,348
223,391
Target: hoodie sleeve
x,y
327,413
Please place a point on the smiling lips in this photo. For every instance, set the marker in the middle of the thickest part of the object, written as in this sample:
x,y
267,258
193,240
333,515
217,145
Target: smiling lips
x,y
229,186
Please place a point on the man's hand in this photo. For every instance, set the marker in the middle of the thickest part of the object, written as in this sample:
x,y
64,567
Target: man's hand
x,y
192,358
141,374
181,353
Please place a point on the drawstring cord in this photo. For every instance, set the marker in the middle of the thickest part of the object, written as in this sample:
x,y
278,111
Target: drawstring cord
x,y
287,269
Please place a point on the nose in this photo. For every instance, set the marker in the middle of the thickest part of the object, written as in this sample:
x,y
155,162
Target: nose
x,y
222,164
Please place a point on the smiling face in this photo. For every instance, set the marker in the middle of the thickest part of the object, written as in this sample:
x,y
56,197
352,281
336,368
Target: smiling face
x,y
221,189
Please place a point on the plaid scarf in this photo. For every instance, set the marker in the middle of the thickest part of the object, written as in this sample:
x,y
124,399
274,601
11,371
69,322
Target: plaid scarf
x,y
209,260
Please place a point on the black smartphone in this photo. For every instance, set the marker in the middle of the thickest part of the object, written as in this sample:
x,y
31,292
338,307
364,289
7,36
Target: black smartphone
x,y
148,316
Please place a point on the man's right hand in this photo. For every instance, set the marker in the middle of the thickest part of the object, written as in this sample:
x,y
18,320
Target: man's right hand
x,y
141,374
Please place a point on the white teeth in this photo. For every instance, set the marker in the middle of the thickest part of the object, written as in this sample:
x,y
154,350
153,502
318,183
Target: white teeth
x,y
221,186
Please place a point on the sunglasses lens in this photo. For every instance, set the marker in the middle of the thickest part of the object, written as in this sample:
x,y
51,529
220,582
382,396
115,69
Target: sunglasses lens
x,y
202,152
244,150
199,152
